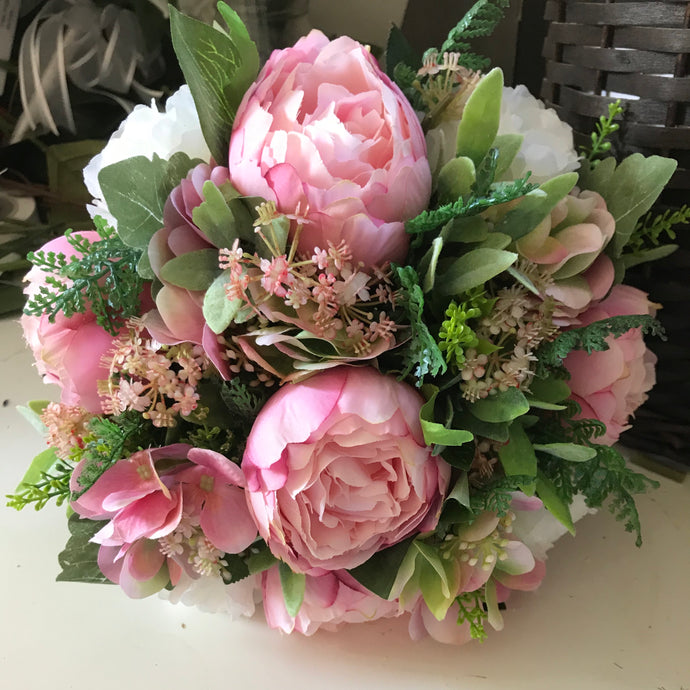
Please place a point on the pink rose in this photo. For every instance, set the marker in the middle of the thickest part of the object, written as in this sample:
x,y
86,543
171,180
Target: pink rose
x,y
611,385
69,351
163,523
337,469
329,600
326,135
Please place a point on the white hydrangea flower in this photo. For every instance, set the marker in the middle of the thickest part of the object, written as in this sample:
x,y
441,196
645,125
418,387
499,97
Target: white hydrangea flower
x,y
547,149
211,595
146,131
539,530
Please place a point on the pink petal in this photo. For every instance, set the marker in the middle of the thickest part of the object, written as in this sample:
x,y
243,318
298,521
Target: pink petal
x,y
226,521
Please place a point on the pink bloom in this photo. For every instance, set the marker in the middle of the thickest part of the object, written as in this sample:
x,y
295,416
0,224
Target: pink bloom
x,y
329,601
70,351
324,130
178,316
337,469
611,385
152,534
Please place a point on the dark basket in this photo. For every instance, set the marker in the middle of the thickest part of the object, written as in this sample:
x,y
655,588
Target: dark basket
x,y
599,51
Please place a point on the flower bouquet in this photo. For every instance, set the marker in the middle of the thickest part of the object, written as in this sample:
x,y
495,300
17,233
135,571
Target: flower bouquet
x,y
355,344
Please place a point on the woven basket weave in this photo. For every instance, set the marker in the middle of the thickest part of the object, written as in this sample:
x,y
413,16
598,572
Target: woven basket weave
x,y
596,52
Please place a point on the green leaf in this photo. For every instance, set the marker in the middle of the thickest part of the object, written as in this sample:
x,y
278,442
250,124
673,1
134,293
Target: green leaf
x,y
468,229
379,572
43,462
553,502
399,50
434,253
79,559
508,146
193,271
437,579
494,431
435,433
517,456
461,491
32,413
549,389
473,269
480,118
219,68
504,406
641,257
293,585
455,179
572,452
262,560
219,311
144,268
629,190
136,190
535,206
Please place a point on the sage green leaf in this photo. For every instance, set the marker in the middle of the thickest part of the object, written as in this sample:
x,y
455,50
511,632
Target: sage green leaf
x,y
473,269
629,189
218,220
262,560
461,491
430,275
521,277
517,456
480,118
32,413
293,585
438,579
572,452
144,267
455,179
504,406
535,206
43,462
508,146
630,260
543,405
136,190
494,431
435,433
79,558
553,502
379,573
550,389
193,271
219,311
497,240
219,68
465,229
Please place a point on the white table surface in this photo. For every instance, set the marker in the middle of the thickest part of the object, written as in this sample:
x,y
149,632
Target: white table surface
x,y
607,616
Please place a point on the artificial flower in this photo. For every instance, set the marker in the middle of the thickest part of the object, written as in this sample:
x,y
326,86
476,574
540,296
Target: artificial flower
x,y
337,469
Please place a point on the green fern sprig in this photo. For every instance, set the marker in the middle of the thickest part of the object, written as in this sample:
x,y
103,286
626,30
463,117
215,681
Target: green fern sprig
x,y
650,230
101,278
499,193
472,610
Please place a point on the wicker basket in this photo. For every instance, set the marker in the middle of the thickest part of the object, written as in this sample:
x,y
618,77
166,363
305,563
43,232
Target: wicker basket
x,y
597,51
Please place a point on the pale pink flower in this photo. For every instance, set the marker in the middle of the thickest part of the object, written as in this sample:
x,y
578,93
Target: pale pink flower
x,y
323,129
276,275
337,469
611,385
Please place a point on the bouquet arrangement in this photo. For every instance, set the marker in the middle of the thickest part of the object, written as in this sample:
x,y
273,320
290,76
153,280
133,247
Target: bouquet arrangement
x,y
351,343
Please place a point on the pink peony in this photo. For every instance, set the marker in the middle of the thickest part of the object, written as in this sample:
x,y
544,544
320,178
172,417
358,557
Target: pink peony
x,y
337,469
611,385
329,600
178,316
326,135
181,519
70,351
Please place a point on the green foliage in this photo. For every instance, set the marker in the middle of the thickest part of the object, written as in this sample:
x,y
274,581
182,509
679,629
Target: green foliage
x,y
293,586
472,607
599,138
591,338
480,20
629,188
500,193
456,335
650,230
219,67
421,353
474,269
607,479
46,479
214,438
102,278
111,439
243,402
79,558
399,52
439,434
379,572
497,496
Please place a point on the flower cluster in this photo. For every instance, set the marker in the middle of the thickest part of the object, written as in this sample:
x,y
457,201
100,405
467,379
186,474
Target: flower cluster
x,y
363,378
